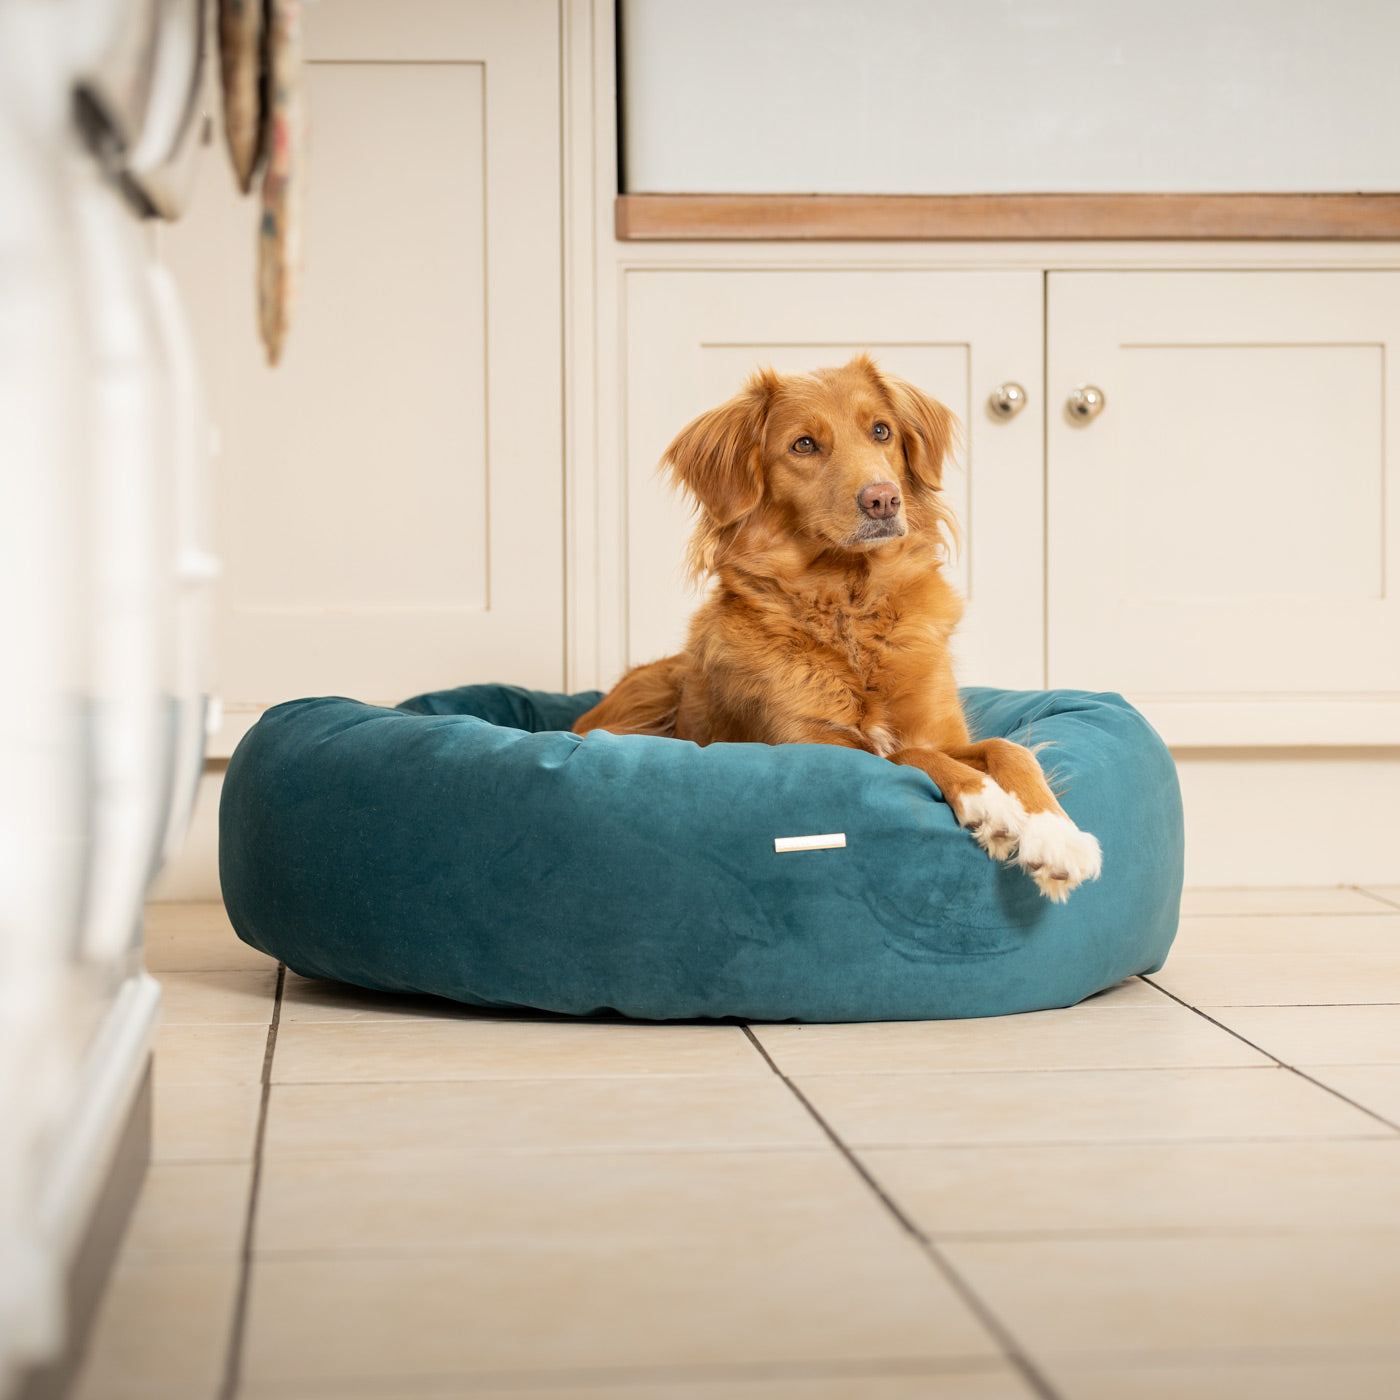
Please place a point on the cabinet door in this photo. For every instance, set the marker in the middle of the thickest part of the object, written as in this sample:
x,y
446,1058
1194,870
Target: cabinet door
x,y
692,337
390,497
1224,537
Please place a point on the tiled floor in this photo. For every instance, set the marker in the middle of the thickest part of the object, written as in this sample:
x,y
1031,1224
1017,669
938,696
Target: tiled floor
x,y
1184,1187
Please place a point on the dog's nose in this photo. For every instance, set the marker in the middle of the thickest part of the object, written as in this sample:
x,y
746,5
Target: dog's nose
x,y
879,501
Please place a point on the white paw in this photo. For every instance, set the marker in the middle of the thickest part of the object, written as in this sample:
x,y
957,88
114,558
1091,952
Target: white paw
x,y
1057,855
995,817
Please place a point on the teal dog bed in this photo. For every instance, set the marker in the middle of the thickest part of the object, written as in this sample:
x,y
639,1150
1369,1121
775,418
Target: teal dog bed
x,y
467,845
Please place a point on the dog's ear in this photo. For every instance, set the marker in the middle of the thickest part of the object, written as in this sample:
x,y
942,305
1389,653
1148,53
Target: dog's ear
x,y
719,457
928,428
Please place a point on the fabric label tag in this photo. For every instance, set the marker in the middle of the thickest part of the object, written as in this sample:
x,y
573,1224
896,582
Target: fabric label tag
x,y
809,843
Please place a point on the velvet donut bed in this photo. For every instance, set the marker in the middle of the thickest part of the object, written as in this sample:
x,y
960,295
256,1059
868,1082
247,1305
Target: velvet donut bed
x,y
465,844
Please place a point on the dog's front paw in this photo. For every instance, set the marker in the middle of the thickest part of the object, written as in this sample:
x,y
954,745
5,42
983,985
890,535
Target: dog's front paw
x,y
995,818
1057,855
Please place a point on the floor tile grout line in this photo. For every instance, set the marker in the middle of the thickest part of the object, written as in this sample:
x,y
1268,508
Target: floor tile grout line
x,y
576,1079
1011,1349
972,1144
467,1383
233,1357
1283,1064
1148,1234
1278,1005
1384,904
1383,910
409,1158
992,1071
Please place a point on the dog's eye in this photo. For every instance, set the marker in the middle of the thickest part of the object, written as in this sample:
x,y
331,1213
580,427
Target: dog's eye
x,y
882,432
805,445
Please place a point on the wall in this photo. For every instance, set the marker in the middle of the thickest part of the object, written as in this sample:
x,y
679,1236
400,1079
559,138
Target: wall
x,y
193,873
1290,816
911,97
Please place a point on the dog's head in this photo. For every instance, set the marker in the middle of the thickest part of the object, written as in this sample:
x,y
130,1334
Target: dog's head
x,y
846,459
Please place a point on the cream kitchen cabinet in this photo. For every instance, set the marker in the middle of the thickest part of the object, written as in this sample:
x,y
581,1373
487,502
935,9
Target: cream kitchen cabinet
x,y
1217,542
390,498
1223,539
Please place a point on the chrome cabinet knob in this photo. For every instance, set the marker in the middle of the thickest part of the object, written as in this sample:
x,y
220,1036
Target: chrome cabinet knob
x,y
1084,403
1006,400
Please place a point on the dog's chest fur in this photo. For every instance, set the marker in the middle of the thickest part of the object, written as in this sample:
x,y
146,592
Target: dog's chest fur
x,y
860,650
869,644
858,630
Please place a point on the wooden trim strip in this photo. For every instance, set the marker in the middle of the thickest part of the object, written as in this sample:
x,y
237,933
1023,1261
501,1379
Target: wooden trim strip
x,y
1007,216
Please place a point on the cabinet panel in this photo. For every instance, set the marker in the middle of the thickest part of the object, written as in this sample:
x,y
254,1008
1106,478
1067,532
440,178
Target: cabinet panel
x,y
1223,536
386,376
1287,503
693,336
391,496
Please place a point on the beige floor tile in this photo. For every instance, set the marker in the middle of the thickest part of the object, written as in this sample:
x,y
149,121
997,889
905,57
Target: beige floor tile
x,y
1128,994
1294,1378
199,998
1376,1087
161,1330
1318,1035
1338,899
1283,935
1390,894
1290,979
1124,1296
186,1207
308,999
538,1115
894,1110
512,1309
311,1052
1082,1037
322,1204
210,1054
196,938
1103,1187
204,1122
856,1383
111,1386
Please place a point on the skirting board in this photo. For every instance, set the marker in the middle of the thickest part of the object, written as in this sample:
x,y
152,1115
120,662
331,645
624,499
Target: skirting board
x,y
1290,816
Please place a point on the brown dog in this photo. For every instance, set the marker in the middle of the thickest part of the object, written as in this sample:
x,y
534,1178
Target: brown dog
x,y
821,518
